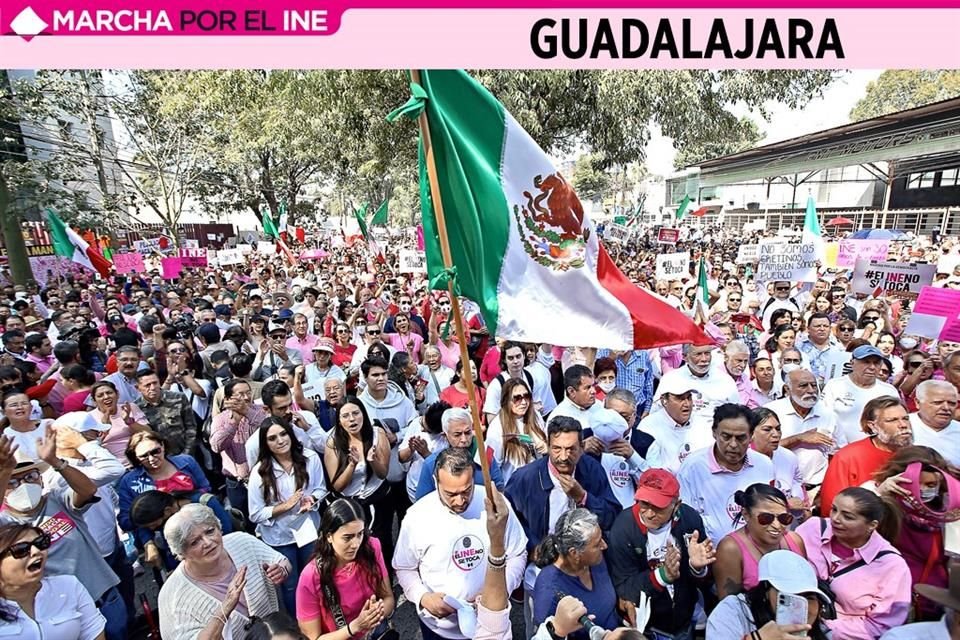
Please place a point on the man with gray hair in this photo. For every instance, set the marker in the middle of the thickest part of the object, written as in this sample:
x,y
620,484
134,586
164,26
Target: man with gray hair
x,y
457,426
736,360
444,550
933,424
808,428
711,382
438,377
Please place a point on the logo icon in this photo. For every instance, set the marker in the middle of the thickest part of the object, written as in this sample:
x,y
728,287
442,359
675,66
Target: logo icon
x,y
552,224
28,24
468,552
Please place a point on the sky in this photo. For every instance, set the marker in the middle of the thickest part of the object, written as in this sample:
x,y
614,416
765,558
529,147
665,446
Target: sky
x,y
831,110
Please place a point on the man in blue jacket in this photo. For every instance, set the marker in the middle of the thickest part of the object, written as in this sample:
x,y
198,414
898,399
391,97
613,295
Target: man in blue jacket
x,y
545,489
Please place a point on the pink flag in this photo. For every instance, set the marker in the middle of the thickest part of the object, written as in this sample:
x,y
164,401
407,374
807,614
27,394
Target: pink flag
x,y
419,237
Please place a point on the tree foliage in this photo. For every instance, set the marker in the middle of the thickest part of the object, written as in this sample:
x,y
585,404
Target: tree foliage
x,y
590,181
900,89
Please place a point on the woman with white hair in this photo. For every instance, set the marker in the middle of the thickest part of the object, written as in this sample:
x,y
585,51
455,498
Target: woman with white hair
x,y
572,564
222,581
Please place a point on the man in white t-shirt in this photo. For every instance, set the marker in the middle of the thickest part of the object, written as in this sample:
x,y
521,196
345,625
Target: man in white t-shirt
x,y
443,550
933,425
581,401
621,463
710,477
847,395
713,385
809,429
669,425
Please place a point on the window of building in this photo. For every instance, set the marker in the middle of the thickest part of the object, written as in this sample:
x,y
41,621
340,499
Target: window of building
x,y
950,177
921,180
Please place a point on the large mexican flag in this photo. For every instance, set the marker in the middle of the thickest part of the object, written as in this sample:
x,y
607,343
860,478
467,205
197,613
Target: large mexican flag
x,y
69,244
524,248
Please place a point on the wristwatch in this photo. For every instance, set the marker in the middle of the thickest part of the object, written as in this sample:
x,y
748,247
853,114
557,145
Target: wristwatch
x,y
552,631
63,465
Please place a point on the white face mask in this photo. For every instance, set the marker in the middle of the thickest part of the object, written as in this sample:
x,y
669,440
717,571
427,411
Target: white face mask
x,y
405,307
928,495
908,343
25,498
606,387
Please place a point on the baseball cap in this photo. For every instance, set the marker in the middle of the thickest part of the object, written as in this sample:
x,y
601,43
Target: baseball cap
x,y
867,351
608,425
790,573
324,344
223,310
658,487
676,385
276,327
79,421
284,314
209,332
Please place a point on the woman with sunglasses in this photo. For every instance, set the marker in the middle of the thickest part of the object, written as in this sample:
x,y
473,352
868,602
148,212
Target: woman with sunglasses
x,y
33,605
767,519
343,347
918,366
17,424
449,348
345,591
516,435
285,492
786,468
153,469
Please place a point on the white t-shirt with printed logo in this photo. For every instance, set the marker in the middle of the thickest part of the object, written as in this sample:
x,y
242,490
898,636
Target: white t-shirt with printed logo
x,y
847,401
671,442
709,488
622,476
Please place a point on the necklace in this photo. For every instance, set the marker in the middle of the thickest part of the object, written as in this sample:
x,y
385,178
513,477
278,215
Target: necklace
x,y
756,546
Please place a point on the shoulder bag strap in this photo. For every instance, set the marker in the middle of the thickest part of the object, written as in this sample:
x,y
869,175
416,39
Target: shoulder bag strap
x,y
860,563
338,618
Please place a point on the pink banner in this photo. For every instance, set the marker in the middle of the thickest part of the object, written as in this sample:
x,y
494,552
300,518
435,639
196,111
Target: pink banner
x,y
934,301
171,267
420,242
128,262
869,250
951,331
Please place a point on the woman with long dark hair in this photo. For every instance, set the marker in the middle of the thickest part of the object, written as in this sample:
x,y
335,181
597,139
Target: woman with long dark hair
x,y
516,435
285,492
345,592
57,607
356,458
456,394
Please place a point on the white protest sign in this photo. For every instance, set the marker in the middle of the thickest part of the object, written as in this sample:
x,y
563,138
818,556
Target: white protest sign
x,y
748,253
146,247
787,261
266,247
673,266
616,232
245,249
947,263
190,244
229,256
412,261
905,279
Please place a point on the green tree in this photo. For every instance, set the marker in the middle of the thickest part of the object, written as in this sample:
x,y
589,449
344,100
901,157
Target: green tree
x,y
729,136
589,179
900,89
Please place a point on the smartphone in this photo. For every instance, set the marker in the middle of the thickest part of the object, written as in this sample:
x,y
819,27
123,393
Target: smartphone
x,y
951,539
791,609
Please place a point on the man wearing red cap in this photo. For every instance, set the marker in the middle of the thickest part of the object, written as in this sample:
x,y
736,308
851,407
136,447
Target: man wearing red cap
x,y
659,548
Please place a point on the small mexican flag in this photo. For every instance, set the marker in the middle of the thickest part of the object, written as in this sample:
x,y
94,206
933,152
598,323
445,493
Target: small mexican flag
x,y
381,217
811,231
372,245
270,229
683,207
524,248
69,244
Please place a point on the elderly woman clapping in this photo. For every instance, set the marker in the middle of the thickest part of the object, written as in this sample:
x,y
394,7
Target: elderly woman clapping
x,y
222,581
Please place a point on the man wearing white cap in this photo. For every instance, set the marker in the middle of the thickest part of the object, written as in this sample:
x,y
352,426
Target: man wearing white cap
x,y
669,424
714,388
783,572
847,395
273,354
621,463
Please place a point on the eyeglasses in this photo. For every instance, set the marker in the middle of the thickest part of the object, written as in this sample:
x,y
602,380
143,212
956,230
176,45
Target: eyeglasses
x,y
31,477
153,453
845,329
21,550
767,518
915,364
343,330
871,318
791,361
521,397
373,333
733,299
782,288
176,350
732,283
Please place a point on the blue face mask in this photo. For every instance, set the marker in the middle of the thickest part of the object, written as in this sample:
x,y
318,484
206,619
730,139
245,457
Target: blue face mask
x,y
928,495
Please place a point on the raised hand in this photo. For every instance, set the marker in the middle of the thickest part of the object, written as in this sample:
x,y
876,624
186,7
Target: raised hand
x,y
8,448
701,554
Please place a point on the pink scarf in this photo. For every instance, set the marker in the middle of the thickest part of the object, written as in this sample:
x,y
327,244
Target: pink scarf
x,y
918,512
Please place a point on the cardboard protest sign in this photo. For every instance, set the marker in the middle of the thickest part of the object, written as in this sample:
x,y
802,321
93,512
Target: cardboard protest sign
x,y
171,267
903,279
748,253
787,261
830,252
852,250
412,261
266,247
668,236
128,262
936,312
672,266
244,249
193,257
616,233
190,244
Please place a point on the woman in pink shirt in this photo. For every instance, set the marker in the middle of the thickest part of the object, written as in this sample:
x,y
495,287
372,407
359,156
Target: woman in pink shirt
x,y
345,590
124,419
869,578
404,339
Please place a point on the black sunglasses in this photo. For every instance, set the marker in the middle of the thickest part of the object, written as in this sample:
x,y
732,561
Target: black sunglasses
x,y
153,452
767,518
21,550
